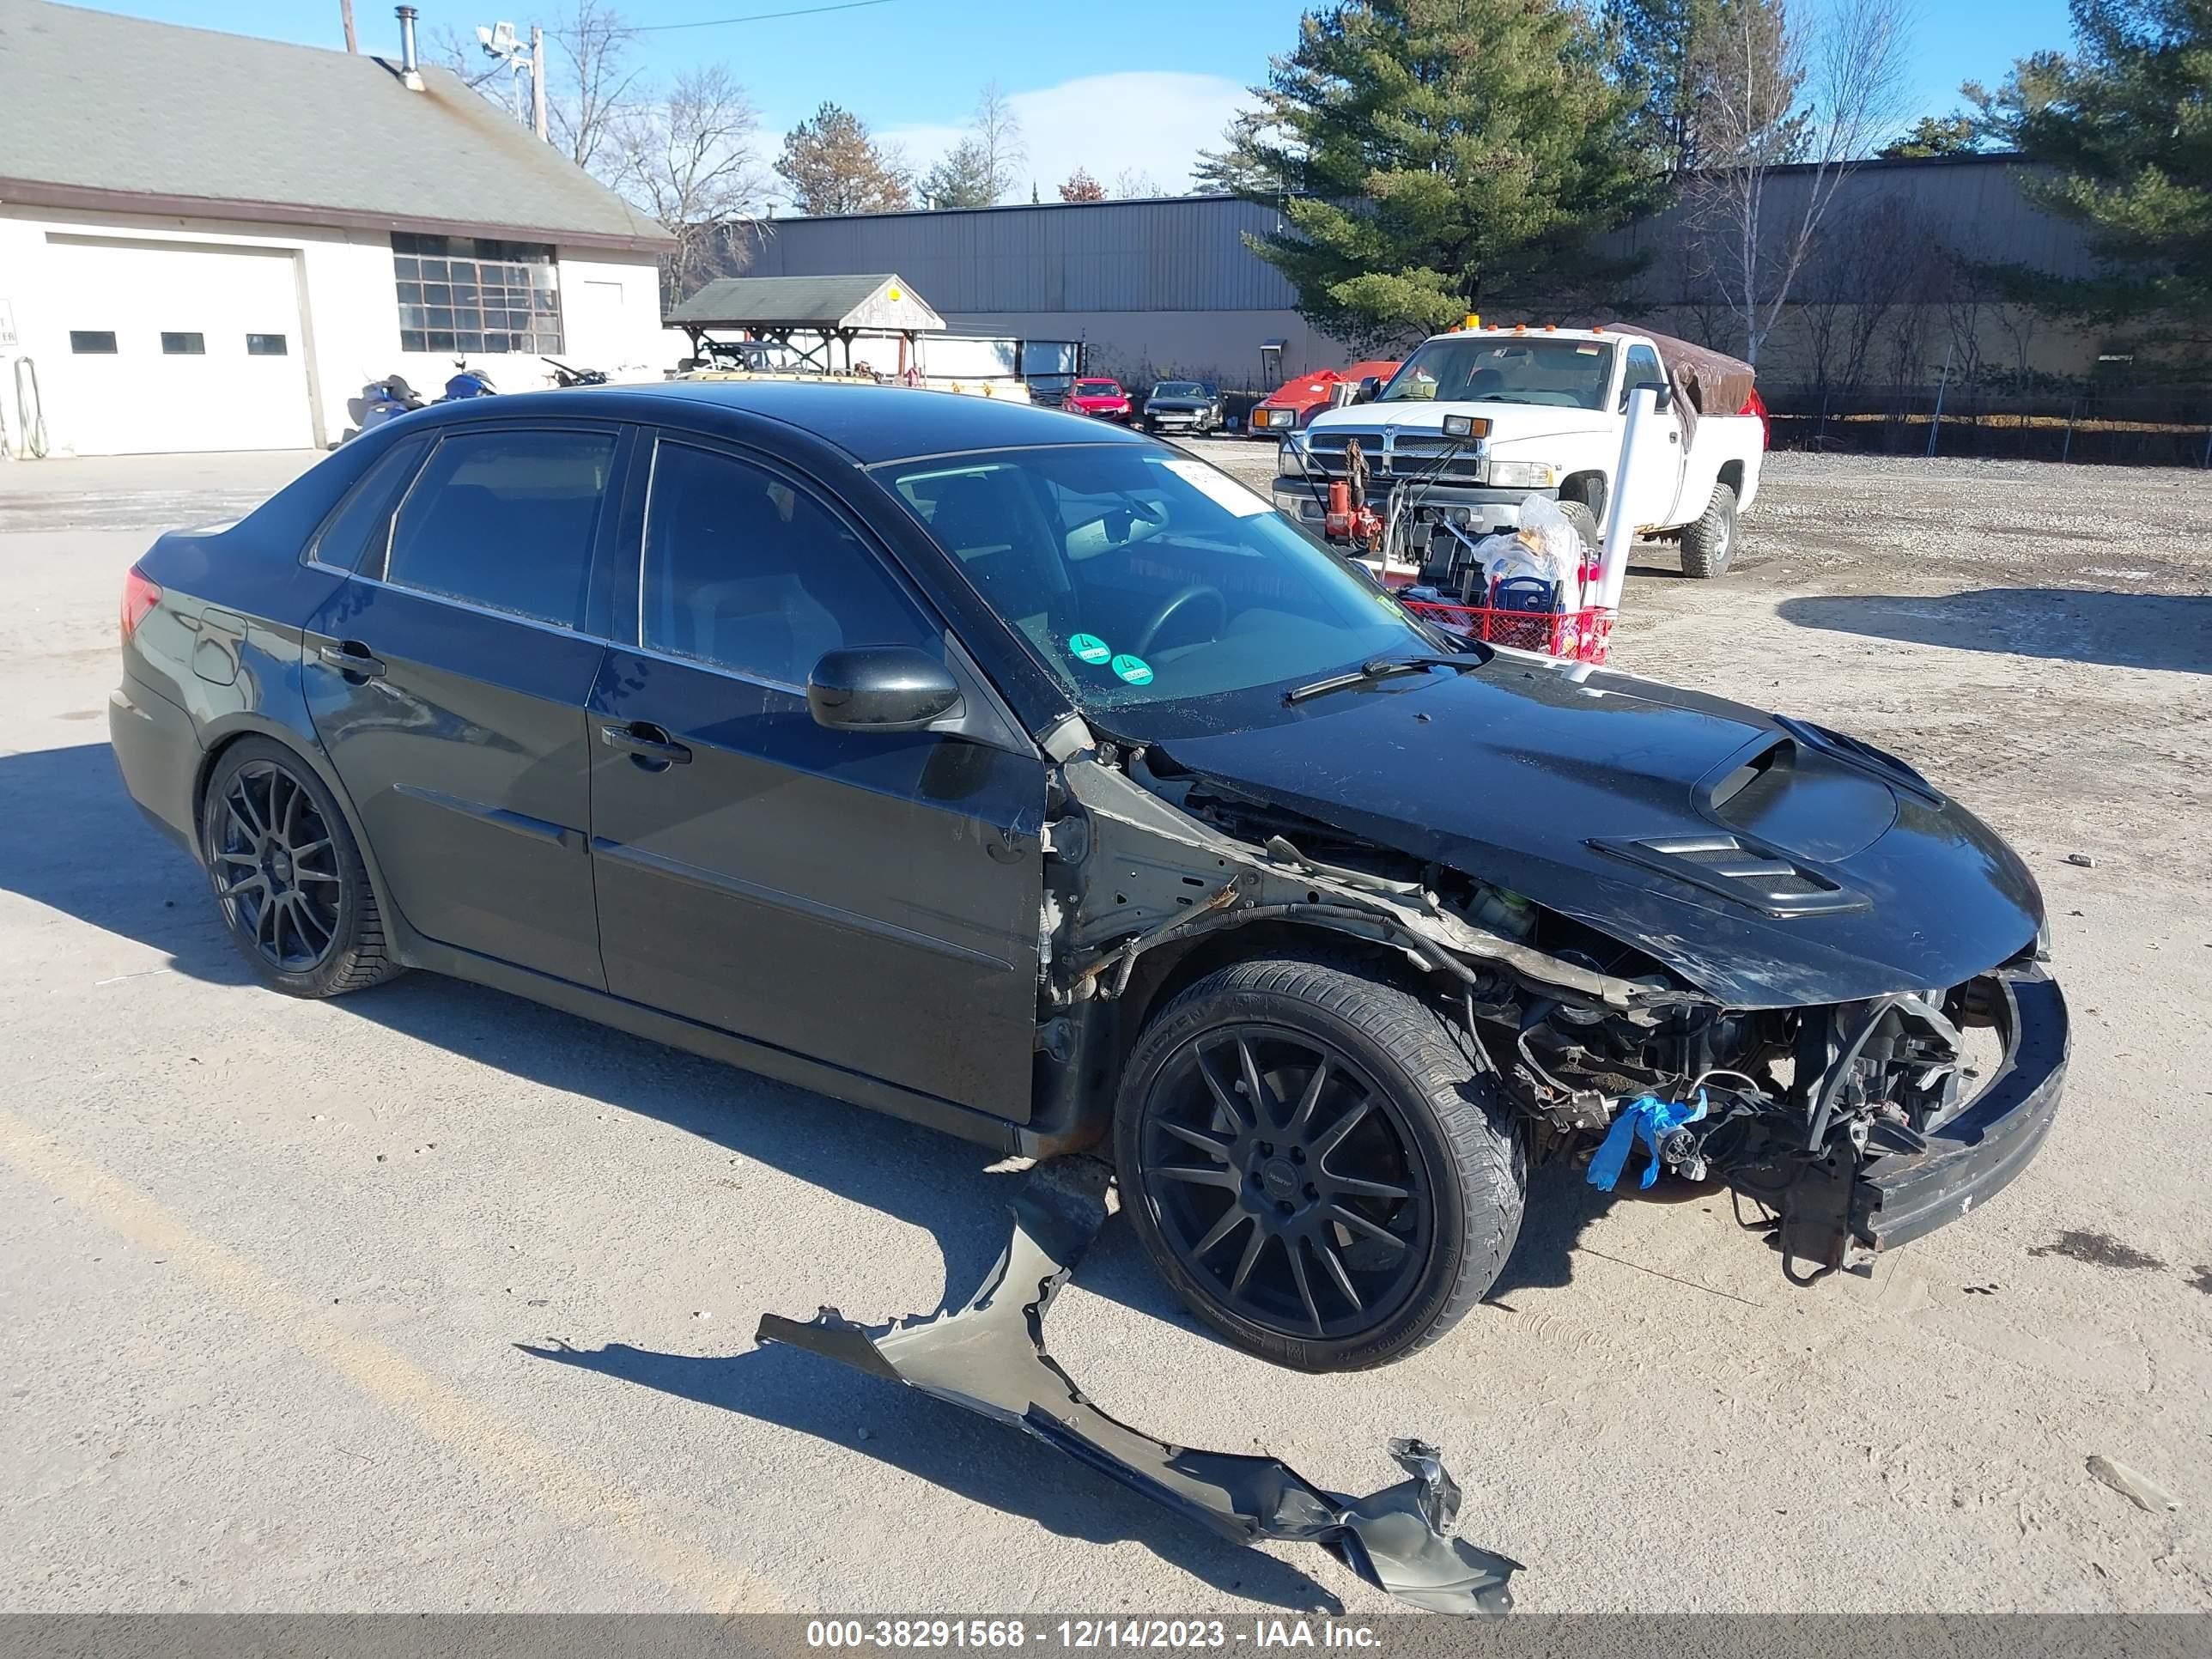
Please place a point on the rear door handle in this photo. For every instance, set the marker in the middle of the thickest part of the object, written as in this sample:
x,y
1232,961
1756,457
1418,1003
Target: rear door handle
x,y
644,741
352,657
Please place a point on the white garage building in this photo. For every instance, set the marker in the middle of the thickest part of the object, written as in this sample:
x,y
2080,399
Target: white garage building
x,y
211,242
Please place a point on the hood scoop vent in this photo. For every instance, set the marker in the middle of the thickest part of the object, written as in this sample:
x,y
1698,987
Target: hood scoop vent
x,y
1740,869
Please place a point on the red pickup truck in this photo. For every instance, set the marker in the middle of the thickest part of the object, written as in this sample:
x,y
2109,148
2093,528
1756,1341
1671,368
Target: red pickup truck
x,y
1292,404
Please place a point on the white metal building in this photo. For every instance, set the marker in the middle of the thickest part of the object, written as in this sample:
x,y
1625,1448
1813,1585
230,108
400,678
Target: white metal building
x,y
208,241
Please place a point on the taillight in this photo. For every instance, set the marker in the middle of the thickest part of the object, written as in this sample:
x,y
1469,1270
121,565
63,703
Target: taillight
x,y
139,597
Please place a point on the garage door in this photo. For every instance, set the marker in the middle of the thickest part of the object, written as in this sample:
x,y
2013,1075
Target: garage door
x,y
174,347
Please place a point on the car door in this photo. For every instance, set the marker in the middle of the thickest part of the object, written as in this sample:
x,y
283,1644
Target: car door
x,y
448,679
1655,475
866,899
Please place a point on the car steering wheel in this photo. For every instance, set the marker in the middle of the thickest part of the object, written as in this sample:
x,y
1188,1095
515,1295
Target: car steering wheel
x,y
1174,602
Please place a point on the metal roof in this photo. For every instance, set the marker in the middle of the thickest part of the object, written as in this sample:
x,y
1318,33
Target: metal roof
x,y
879,301
100,112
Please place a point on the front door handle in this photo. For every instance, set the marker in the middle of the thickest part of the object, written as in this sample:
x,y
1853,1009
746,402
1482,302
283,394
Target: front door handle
x,y
352,657
646,743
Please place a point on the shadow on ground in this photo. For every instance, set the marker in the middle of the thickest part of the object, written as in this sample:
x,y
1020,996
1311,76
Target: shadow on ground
x,y
951,1448
2126,630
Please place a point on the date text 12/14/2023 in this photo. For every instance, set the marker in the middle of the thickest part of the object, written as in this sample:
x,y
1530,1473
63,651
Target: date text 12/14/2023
x,y
1087,1635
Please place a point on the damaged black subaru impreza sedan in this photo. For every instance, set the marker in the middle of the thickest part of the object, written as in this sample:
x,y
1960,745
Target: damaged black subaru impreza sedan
x,y
1028,778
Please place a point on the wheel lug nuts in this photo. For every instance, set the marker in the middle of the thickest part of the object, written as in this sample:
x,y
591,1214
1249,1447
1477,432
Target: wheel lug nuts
x,y
1313,1192
1297,1154
1284,1207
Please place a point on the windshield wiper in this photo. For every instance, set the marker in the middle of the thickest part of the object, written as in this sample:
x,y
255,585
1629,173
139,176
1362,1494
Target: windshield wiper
x,y
1380,669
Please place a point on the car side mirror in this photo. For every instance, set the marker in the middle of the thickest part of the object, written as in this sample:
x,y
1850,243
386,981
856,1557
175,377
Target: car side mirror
x,y
881,688
1664,399
1369,386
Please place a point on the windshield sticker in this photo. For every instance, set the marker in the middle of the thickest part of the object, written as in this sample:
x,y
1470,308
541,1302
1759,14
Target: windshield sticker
x,y
1220,490
1135,670
1089,647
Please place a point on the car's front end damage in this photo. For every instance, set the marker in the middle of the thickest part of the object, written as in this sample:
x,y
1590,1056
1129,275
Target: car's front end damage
x,y
1751,951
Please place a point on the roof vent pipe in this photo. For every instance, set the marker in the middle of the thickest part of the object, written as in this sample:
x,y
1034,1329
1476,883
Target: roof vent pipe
x,y
410,76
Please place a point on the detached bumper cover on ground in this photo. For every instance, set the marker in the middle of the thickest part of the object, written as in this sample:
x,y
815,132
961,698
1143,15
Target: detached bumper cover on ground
x,y
989,1357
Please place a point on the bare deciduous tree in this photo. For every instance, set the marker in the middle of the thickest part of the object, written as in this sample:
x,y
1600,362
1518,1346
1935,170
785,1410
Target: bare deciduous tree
x,y
1133,182
1865,263
1773,95
998,132
687,159
593,85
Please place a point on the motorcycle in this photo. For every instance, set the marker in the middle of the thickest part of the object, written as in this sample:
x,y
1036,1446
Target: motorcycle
x,y
564,377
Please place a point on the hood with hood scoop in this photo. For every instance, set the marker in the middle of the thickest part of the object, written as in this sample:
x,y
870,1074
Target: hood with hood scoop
x,y
1767,862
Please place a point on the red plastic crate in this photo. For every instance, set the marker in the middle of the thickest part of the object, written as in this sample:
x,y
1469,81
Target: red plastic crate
x,y
1574,635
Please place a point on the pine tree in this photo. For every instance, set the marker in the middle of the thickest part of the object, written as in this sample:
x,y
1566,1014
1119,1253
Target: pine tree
x,y
1934,134
1445,155
833,167
2126,120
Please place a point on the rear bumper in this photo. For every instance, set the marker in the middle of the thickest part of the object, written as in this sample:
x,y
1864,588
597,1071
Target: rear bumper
x,y
1899,1198
158,752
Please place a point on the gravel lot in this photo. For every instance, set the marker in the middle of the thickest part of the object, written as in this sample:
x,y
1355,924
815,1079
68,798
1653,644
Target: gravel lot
x,y
431,1299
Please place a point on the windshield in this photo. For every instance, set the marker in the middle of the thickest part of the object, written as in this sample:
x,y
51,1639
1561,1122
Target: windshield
x,y
1178,389
1097,389
1564,374
1139,576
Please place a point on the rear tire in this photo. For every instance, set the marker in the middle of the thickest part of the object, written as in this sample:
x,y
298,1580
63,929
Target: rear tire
x,y
1403,1136
1709,544
287,877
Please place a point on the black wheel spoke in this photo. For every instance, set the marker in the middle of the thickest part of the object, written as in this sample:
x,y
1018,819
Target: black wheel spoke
x,y
1347,1216
1305,1285
1225,1179
311,849
1334,1263
1189,1137
1240,1119
1231,1218
1357,1188
308,924
224,856
1254,1090
288,831
314,875
1309,1099
1246,1263
1333,1137
258,849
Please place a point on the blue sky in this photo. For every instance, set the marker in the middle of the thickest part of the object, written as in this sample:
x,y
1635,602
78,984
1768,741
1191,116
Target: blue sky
x,y
1111,85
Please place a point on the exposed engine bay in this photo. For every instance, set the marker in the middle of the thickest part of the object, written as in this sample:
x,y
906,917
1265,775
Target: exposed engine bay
x,y
1789,1106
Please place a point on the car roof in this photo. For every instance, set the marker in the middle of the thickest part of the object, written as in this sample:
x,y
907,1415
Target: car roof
x,y
869,423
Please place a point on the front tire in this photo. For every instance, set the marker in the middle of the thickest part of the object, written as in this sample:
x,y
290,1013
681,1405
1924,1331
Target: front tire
x,y
1709,544
1579,513
1316,1164
287,877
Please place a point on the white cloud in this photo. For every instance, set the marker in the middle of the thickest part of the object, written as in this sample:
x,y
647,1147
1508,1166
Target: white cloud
x,y
1147,121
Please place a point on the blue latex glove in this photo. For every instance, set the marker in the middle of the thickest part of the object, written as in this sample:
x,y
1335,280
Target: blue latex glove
x,y
1647,1118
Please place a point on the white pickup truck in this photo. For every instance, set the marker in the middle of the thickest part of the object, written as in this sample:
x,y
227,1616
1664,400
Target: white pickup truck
x,y
1478,420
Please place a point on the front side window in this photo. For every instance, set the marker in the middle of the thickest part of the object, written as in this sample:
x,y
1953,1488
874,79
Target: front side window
x,y
477,293
1140,577
1475,368
506,521
746,572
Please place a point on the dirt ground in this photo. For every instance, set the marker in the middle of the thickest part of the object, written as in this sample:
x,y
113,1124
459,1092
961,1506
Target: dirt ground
x,y
432,1300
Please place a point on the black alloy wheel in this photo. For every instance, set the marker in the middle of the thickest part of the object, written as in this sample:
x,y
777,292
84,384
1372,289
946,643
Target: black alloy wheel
x,y
288,876
1317,1160
275,868
1286,1180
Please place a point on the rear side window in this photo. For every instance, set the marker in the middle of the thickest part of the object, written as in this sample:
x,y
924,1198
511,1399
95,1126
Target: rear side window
x,y
744,571
506,521
365,514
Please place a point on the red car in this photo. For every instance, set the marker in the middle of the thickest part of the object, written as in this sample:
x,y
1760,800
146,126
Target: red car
x,y
1103,398
1292,404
